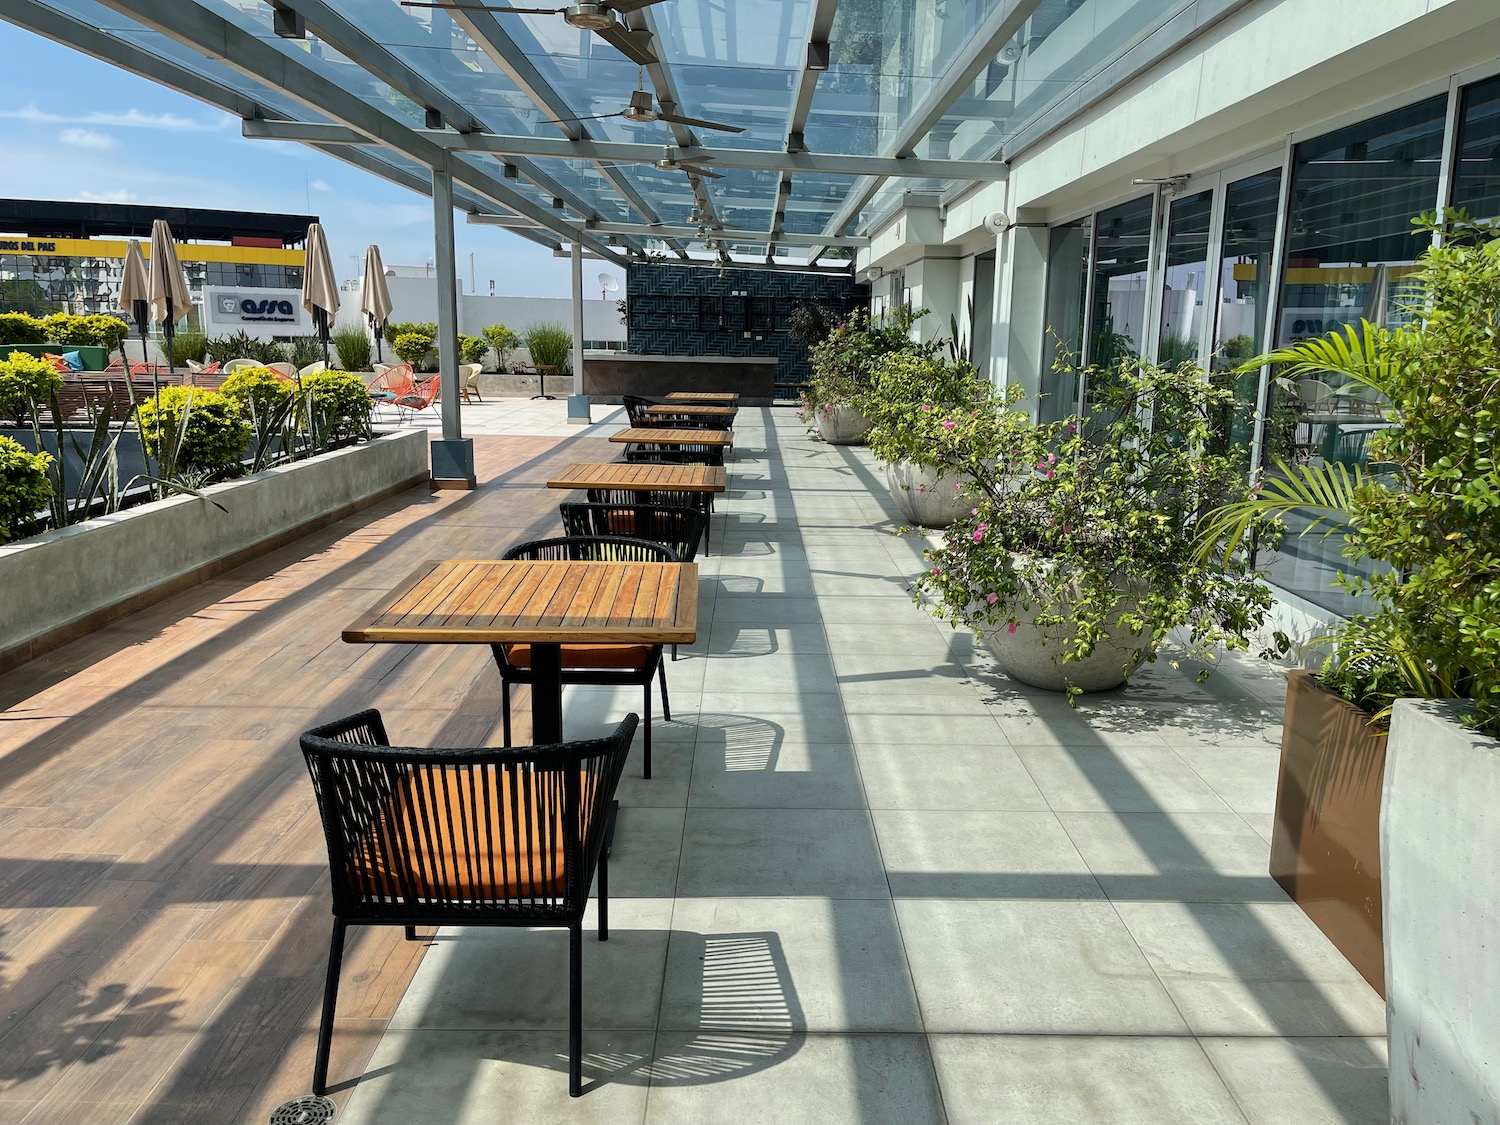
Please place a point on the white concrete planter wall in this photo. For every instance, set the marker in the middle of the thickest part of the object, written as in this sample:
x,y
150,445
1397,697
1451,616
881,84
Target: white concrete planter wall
x,y
842,425
923,498
65,582
1440,862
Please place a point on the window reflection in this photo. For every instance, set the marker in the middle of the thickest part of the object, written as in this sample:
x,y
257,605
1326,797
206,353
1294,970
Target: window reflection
x,y
1184,280
1067,283
1244,304
1476,172
1117,318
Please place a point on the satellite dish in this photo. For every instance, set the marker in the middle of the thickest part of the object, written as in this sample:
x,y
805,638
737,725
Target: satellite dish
x,y
609,284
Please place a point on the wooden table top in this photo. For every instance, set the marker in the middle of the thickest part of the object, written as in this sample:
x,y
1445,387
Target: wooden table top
x,y
642,475
682,409
672,435
722,398
467,601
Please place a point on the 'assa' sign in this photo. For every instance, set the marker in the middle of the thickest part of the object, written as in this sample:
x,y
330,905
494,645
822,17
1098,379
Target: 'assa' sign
x,y
259,312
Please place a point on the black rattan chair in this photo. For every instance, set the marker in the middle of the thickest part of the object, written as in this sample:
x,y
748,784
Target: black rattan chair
x,y
680,528
635,410
674,455
592,664
481,837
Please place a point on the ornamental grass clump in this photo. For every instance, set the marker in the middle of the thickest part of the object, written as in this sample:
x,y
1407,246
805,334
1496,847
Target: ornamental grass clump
x,y
1424,519
1087,537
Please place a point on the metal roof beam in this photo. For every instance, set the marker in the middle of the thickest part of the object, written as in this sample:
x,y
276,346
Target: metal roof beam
x,y
691,233
819,28
559,149
218,39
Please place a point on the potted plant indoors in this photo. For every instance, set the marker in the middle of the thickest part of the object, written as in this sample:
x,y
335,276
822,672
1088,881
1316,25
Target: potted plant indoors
x,y
1426,518
843,366
1076,558
909,398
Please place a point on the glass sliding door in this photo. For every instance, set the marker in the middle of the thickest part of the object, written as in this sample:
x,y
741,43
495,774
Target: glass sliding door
x,y
1067,294
1476,171
1245,301
1349,249
1184,281
1118,288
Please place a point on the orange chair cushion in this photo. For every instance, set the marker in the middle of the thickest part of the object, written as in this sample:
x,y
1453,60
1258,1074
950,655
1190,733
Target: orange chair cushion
x,y
587,656
427,841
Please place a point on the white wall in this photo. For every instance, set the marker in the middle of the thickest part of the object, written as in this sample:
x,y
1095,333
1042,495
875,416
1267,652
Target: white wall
x,y
415,298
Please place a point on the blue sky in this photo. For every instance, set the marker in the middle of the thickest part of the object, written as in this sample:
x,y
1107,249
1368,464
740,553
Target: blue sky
x,y
74,128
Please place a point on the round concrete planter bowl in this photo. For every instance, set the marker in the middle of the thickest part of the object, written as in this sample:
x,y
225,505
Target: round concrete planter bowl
x,y
842,424
923,498
1025,657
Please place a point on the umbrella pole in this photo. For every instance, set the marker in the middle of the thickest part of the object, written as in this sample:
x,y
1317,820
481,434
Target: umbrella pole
x,y
323,332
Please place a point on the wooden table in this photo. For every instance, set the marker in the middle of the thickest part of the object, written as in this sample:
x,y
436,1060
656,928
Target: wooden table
x,y
688,410
708,398
672,435
543,604
642,477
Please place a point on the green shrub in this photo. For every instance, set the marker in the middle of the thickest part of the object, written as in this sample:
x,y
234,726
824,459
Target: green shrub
x,y
394,328
411,347
256,391
189,346
503,340
340,403
106,331
25,488
304,350
353,346
473,349
550,345
213,437
26,379
21,328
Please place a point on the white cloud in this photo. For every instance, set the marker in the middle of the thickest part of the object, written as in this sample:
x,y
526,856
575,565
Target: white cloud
x,y
130,118
86,138
119,195
321,185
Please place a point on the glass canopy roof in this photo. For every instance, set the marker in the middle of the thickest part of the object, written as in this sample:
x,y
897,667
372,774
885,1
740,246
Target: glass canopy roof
x,y
842,105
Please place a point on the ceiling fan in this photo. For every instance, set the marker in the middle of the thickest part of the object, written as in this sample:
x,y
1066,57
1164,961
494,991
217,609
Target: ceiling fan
x,y
642,109
598,17
678,160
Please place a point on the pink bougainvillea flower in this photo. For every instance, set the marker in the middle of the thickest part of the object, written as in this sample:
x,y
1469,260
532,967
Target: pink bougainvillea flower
x,y
973,511
937,570
1011,628
979,535
1072,427
1051,473
926,408
992,598
1040,466
949,423
1051,459
1067,529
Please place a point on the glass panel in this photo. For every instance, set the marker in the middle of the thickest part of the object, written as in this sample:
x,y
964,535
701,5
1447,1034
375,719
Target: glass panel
x,y
1476,173
1067,281
1117,319
1349,245
1245,302
1184,280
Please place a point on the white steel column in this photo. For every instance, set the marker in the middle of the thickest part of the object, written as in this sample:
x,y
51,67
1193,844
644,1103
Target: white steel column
x,y
452,457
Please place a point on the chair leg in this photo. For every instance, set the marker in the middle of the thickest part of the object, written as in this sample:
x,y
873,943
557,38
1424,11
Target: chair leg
x,y
411,933
330,999
666,708
646,730
575,1009
604,895
505,711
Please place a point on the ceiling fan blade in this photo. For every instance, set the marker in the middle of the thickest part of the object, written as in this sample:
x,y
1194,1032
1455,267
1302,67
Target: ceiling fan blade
x,y
629,5
699,122
452,7
696,170
570,120
634,45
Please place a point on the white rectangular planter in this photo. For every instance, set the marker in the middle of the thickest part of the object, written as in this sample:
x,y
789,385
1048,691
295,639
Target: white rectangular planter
x,y
65,582
1440,857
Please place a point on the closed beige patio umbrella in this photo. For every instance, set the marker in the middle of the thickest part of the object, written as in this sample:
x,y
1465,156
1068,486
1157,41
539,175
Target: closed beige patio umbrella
x,y
320,289
135,300
167,290
375,295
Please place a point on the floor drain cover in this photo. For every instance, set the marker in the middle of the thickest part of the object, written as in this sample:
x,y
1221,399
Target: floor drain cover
x,y
307,1110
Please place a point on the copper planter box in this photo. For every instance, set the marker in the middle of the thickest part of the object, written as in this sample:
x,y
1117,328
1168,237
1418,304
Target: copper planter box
x,y
1325,847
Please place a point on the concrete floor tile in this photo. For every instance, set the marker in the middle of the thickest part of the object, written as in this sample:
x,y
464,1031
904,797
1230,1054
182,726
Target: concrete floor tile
x,y
768,964
648,844
1305,1081
1031,968
867,582
916,638
854,611
744,639
462,1076
907,728
729,853
993,855
1079,1080
1253,969
1093,778
766,609
753,719
793,1080
946,777
791,775
1174,857
784,674
897,699
513,979
1244,776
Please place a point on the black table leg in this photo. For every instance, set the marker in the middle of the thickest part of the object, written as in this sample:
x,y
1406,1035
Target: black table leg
x,y
546,694
541,384
609,827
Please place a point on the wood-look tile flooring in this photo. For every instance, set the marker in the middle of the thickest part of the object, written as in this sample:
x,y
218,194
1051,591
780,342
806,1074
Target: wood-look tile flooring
x,y
163,889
